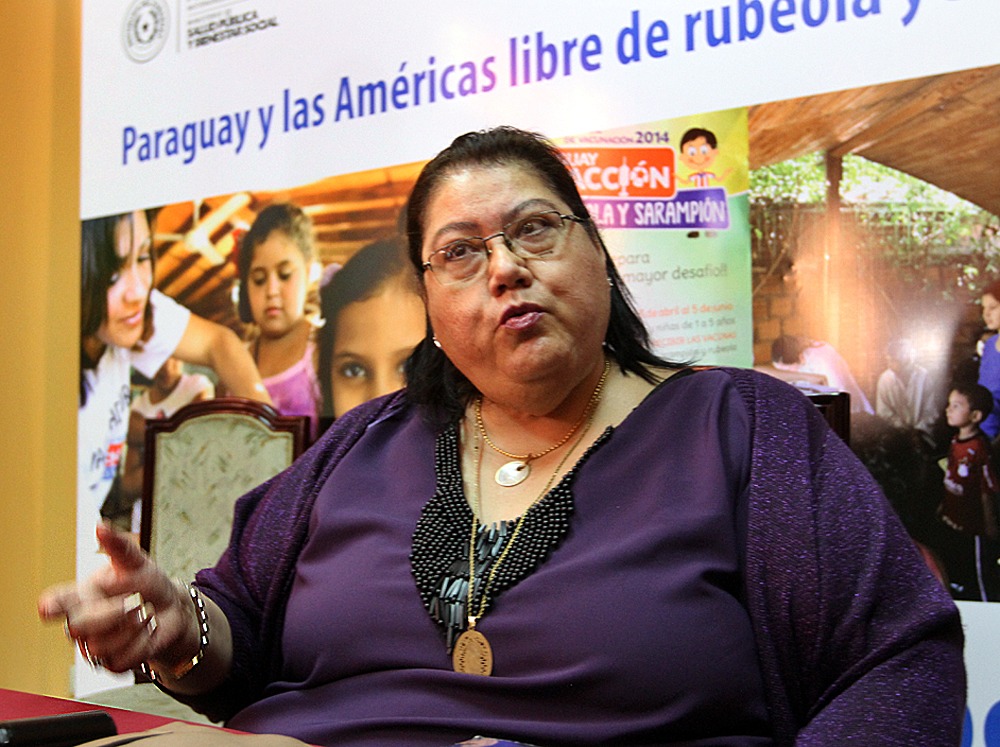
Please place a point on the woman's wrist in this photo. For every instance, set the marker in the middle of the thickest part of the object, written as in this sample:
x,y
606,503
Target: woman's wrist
x,y
158,670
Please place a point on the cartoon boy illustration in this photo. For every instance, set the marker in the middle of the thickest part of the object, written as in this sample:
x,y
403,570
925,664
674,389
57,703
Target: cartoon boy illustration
x,y
699,150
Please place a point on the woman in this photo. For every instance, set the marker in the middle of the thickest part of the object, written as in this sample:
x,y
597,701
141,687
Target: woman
x,y
989,365
275,259
657,557
374,317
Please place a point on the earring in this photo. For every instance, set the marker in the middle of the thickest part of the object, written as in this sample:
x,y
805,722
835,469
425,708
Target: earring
x,y
436,341
611,282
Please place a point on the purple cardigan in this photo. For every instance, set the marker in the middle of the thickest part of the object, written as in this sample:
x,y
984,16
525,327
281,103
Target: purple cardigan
x,y
857,641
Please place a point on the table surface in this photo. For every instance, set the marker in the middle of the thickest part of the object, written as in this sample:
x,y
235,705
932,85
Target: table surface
x,y
17,704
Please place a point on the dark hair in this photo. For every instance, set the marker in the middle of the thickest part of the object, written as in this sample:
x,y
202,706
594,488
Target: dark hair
x,y
285,218
980,398
432,379
368,270
993,289
788,349
99,262
696,132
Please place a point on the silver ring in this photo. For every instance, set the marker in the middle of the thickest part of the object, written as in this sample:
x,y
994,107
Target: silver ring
x,y
94,661
134,602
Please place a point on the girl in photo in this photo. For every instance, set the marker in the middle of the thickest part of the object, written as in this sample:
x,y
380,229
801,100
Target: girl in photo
x,y
275,259
374,318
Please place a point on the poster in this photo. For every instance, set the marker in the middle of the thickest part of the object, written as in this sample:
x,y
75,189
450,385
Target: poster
x,y
671,200
210,110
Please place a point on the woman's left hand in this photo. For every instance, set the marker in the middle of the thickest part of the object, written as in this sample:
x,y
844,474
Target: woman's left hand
x,y
126,613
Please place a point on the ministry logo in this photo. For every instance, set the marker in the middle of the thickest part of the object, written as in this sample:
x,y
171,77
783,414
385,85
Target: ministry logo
x,y
144,30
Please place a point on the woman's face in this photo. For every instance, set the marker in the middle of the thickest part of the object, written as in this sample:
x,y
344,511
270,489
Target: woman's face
x,y
373,339
129,290
991,312
522,320
277,284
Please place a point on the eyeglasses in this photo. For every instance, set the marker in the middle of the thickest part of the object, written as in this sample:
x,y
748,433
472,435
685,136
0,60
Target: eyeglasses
x,y
535,236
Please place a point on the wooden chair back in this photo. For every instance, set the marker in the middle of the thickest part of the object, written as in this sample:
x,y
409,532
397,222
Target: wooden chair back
x,y
198,462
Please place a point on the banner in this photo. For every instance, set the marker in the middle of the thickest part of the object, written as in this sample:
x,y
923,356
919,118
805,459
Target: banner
x,y
170,99
207,112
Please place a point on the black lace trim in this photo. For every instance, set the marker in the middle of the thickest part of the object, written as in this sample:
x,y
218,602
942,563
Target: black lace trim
x,y
439,557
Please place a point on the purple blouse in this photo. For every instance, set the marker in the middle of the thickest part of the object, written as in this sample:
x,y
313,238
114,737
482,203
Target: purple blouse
x,y
856,641
631,631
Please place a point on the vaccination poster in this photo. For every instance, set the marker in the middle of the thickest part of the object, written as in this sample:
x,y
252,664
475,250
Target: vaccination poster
x,y
671,199
207,113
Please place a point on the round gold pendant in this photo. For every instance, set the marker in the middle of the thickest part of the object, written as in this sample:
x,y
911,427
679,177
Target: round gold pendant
x,y
512,473
472,654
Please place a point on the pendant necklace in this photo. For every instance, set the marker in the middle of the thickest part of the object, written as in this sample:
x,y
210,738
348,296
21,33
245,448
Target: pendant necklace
x,y
517,470
472,653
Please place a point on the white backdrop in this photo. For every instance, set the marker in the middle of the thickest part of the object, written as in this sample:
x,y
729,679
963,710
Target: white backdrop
x,y
324,51
294,93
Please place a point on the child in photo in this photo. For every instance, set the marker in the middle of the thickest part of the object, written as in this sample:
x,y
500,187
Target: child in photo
x,y
969,507
275,266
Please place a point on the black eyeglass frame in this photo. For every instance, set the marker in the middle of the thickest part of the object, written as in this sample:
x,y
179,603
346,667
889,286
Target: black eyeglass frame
x,y
512,245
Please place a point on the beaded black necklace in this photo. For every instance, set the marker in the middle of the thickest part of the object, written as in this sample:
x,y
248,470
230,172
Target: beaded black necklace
x,y
439,557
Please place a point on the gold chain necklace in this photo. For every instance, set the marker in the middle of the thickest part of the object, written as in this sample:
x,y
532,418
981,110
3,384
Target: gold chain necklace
x,y
517,470
472,653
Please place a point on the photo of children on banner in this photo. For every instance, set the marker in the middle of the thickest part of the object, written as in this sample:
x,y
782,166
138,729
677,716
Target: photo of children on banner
x,y
971,505
906,395
170,389
803,355
278,280
126,323
373,318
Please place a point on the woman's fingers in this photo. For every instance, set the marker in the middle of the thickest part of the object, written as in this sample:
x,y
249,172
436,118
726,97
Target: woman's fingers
x,y
56,601
132,650
118,634
131,569
125,555
96,617
125,613
109,616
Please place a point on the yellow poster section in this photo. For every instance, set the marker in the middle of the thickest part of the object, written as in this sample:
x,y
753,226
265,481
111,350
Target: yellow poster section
x,y
39,293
